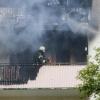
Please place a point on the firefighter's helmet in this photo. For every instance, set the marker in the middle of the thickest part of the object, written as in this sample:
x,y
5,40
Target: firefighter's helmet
x,y
42,48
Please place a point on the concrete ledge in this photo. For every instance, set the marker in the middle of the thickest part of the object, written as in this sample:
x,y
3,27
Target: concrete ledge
x,y
40,92
42,98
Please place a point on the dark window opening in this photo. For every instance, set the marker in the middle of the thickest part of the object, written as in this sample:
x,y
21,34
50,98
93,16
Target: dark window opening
x,y
66,47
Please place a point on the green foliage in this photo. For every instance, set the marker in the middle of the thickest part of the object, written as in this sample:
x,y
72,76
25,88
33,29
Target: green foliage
x,y
90,77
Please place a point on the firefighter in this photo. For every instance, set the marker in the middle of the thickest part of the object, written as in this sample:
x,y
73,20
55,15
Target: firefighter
x,y
39,59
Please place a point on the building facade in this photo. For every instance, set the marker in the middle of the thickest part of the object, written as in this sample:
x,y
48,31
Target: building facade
x,y
57,82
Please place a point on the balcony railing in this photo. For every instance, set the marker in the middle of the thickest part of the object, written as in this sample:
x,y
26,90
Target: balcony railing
x,y
18,73
38,76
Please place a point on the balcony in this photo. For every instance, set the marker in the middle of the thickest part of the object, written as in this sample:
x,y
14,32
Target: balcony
x,y
49,76
51,80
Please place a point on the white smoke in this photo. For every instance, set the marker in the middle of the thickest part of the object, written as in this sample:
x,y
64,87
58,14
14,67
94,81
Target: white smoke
x,y
25,25
21,26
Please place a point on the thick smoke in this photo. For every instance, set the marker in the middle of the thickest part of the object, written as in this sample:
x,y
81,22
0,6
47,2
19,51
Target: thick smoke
x,y
25,24
21,24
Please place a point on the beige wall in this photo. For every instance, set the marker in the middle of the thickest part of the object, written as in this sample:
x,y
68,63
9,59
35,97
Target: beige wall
x,y
96,12
96,30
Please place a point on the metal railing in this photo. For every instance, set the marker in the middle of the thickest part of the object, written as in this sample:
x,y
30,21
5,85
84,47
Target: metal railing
x,y
18,73
22,73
